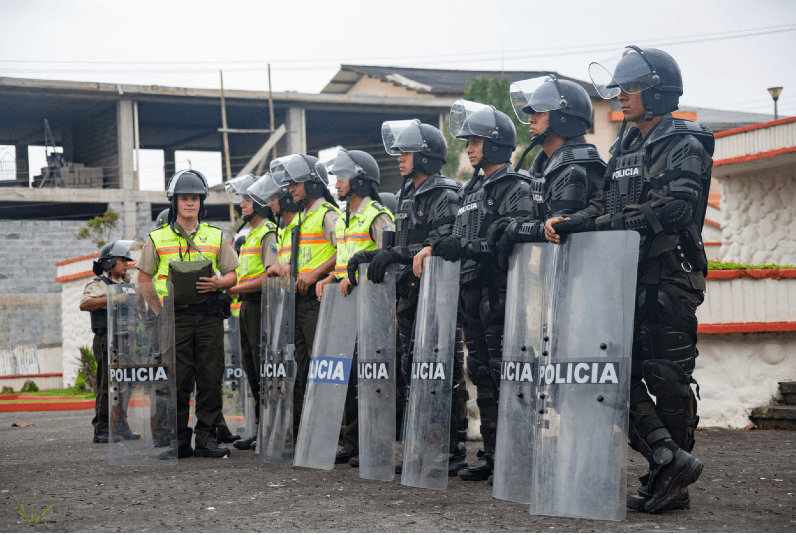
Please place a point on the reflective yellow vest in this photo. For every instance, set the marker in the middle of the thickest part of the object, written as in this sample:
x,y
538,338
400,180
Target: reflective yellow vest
x,y
170,246
356,237
314,250
251,263
283,243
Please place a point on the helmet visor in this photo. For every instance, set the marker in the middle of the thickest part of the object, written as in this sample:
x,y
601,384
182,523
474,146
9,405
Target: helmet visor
x,y
236,188
535,95
295,167
122,248
341,166
472,119
626,71
402,136
265,190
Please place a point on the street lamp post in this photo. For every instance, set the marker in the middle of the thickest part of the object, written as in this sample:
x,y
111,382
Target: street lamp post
x,y
775,91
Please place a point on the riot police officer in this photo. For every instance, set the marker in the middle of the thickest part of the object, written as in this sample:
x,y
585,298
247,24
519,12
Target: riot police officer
x,y
499,191
362,228
566,173
110,268
256,255
657,183
425,213
315,258
190,253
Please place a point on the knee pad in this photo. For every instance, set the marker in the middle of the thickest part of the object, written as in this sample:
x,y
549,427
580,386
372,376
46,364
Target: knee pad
x,y
665,379
479,372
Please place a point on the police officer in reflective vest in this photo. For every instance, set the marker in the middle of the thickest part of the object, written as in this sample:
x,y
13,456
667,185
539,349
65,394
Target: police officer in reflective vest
x,y
360,229
190,254
657,183
256,255
499,191
110,268
566,173
426,210
317,251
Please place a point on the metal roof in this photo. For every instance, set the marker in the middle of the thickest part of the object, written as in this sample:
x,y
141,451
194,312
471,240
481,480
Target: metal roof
x,y
430,81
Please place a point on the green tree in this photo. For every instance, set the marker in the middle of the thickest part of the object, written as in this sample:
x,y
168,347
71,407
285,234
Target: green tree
x,y
98,229
494,91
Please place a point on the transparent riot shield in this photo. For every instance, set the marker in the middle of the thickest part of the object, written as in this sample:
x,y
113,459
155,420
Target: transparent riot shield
x,y
428,410
580,436
277,371
528,268
376,375
142,391
232,388
327,381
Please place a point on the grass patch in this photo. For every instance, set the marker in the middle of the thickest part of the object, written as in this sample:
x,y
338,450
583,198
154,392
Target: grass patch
x,y
72,391
712,264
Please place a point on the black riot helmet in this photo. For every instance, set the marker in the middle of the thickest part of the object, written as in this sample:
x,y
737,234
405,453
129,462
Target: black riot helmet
x,y
652,72
430,151
301,168
110,252
469,119
163,218
187,182
356,167
567,103
390,201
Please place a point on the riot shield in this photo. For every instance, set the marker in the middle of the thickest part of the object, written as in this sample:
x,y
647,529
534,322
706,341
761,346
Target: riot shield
x,y
277,371
376,375
232,388
525,297
141,378
327,381
580,436
428,410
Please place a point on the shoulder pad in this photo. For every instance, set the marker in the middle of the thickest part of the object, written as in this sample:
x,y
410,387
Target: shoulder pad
x,y
378,206
438,182
271,226
505,172
329,206
581,153
671,126
211,226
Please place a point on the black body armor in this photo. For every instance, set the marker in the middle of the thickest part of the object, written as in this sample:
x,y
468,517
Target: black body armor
x,y
682,176
565,175
479,208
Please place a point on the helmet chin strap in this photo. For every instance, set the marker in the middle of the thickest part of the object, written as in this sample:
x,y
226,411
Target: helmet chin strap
x,y
536,140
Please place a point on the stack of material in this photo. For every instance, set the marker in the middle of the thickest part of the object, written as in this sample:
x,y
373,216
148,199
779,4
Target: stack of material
x,y
75,175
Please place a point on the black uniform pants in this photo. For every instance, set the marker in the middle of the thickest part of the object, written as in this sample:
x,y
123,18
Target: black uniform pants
x,y
199,342
307,311
100,421
250,332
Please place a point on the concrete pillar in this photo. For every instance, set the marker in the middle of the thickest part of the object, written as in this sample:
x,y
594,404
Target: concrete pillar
x,y
67,142
125,138
169,158
23,165
296,123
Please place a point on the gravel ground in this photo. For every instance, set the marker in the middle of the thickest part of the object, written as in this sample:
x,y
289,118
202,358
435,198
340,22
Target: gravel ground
x,y
748,485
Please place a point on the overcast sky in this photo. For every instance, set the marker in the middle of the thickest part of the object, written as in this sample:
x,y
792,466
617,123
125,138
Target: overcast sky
x,y
729,51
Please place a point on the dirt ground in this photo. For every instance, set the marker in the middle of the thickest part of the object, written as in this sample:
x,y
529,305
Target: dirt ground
x,y
749,485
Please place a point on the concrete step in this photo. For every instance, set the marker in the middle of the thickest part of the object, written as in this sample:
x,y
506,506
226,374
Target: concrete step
x,y
788,392
775,417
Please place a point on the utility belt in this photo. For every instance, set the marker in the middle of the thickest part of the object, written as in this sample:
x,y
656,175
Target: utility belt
x,y
255,297
217,305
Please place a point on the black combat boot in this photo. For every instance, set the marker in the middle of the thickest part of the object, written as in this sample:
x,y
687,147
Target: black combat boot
x,y
210,449
480,470
128,434
669,481
228,439
180,452
457,460
342,456
643,495
245,443
103,438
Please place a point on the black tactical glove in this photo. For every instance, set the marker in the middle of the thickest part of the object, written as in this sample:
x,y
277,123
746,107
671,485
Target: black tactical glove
x,y
518,231
379,264
449,248
495,232
362,257
579,223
